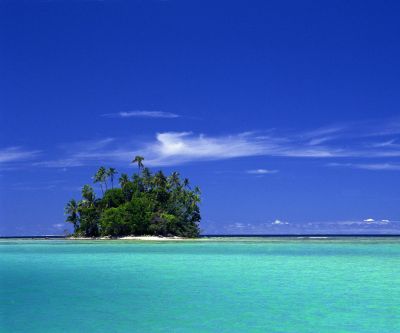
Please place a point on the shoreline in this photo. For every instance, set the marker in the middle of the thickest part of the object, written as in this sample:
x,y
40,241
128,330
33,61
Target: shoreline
x,y
139,238
212,237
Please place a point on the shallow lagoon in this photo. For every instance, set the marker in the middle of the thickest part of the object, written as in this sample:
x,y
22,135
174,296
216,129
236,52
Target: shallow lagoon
x,y
218,285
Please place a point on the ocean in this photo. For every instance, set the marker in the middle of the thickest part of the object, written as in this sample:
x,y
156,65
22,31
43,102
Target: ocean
x,y
218,285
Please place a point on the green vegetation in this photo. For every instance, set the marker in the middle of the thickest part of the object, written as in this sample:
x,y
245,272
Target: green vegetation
x,y
144,204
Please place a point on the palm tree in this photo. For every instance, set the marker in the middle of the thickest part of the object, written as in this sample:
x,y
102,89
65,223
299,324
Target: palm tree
x,y
159,179
197,191
100,177
123,180
110,173
139,160
88,194
146,173
147,181
71,209
186,182
174,180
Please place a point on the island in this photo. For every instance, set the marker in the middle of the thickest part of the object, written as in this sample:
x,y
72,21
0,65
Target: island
x,y
144,204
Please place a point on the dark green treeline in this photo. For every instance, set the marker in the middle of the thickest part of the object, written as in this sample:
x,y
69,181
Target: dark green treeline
x,y
144,204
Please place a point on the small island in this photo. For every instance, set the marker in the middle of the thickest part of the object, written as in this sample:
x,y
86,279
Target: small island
x,y
145,204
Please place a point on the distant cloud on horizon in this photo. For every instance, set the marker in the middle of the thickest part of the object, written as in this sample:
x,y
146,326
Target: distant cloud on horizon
x,y
261,171
141,114
278,226
369,220
279,222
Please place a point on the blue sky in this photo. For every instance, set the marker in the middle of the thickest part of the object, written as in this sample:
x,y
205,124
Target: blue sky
x,y
285,113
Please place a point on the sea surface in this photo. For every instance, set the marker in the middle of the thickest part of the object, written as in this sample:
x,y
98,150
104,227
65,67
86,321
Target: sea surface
x,y
219,285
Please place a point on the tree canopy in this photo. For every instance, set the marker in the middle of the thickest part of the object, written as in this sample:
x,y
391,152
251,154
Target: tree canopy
x,y
144,204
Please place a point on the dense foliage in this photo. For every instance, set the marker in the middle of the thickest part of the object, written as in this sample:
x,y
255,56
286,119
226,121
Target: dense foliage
x,y
145,204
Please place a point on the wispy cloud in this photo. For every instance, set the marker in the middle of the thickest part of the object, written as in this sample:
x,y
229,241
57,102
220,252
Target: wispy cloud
x,y
173,148
180,147
319,140
325,131
261,171
15,154
385,144
92,152
383,129
369,166
141,114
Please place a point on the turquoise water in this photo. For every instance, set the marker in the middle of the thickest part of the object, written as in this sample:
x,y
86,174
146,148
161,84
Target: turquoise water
x,y
266,285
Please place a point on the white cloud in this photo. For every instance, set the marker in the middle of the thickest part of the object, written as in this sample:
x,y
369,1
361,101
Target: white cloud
x,y
361,222
14,154
303,227
142,114
279,222
369,220
369,166
261,171
179,147
174,148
